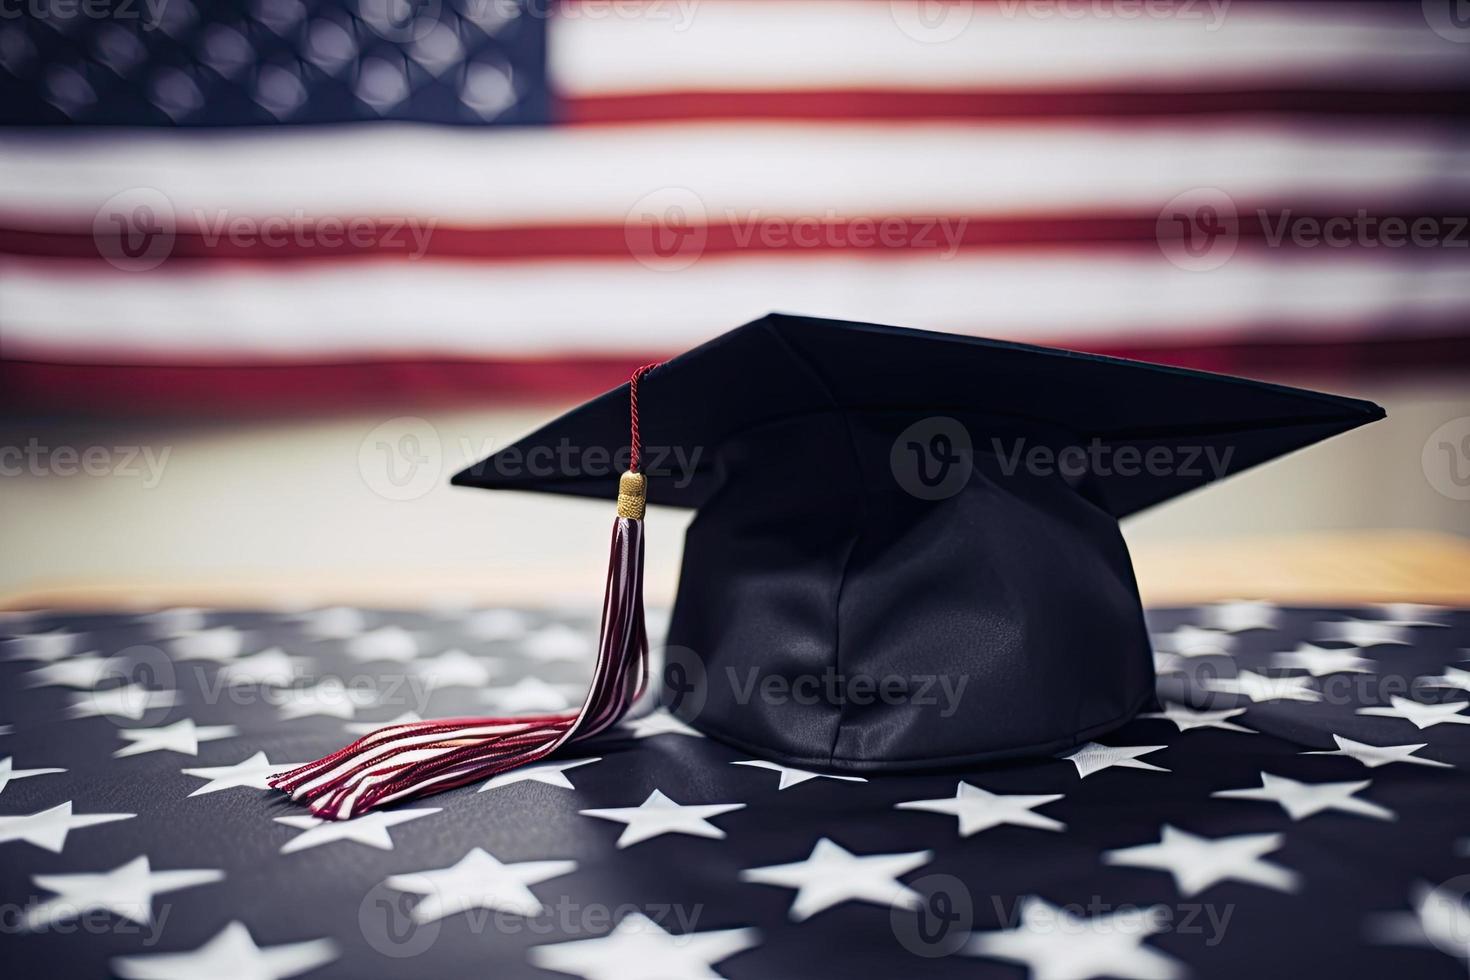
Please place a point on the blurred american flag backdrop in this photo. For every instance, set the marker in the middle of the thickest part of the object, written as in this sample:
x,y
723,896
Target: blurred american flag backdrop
x,y
284,204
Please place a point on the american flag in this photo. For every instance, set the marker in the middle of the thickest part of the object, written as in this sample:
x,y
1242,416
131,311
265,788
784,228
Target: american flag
x,y
281,203
1295,805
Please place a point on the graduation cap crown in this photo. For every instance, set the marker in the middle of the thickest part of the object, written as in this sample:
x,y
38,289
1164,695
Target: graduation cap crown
x,y
883,513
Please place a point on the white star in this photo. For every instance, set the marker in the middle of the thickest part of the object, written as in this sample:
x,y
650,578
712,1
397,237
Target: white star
x,y
48,828
368,727
9,772
454,668
43,647
370,829
1364,632
550,773
639,949
833,875
1191,641
1412,614
221,645
1320,661
172,622
1057,945
131,701
387,643
1167,663
1259,687
479,881
1301,800
1199,862
328,696
253,773
660,815
1240,616
529,695
182,736
495,624
978,809
126,891
1441,919
336,623
268,668
84,672
1095,757
231,953
1420,714
1187,718
559,642
659,722
1453,677
794,777
1374,756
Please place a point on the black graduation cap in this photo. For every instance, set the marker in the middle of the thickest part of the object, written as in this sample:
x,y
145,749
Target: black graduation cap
x,y
906,552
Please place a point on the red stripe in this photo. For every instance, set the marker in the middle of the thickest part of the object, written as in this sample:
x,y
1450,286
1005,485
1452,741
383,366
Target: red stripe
x,y
998,105
749,233
291,388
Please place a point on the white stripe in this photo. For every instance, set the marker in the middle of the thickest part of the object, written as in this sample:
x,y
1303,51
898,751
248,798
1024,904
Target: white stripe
x,y
344,310
726,45
464,176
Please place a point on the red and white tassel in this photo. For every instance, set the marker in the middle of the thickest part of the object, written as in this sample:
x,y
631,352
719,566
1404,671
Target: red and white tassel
x,y
405,761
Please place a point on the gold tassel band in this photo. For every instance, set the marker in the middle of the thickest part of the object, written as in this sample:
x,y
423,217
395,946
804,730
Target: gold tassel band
x,y
632,495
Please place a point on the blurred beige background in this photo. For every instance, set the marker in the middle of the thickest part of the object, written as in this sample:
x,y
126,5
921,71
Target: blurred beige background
x,y
301,508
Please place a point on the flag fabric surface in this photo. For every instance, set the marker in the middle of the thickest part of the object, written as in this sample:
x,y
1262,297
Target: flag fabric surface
x,y
287,203
1295,805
